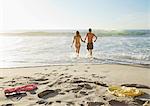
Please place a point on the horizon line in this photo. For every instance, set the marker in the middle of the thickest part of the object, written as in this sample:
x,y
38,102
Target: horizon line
x,y
59,29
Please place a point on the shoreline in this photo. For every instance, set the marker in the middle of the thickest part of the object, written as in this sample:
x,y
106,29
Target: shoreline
x,y
34,66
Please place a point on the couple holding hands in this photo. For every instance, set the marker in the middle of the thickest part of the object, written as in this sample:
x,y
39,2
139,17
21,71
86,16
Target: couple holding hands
x,y
89,36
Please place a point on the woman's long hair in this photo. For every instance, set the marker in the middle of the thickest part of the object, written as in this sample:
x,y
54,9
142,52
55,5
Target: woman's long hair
x,y
77,33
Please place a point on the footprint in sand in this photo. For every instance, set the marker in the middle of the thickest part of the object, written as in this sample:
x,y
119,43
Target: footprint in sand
x,y
104,97
83,93
40,79
85,70
76,90
62,93
33,92
8,104
54,70
27,77
96,76
75,70
96,103
31,98
102,76
45,69
48,93
10,81
81,104
70,104
50,103
88,67
61,74
42,102
58,101
68,76
75,78
117,103
66,69
86,86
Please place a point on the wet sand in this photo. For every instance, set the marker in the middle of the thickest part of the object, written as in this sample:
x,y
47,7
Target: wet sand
x,y
73,85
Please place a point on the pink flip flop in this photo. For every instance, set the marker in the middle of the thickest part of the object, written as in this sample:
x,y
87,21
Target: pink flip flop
x,y
20,89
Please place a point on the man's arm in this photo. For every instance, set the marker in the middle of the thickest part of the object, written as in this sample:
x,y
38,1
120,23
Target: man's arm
x,y
85,37
95,38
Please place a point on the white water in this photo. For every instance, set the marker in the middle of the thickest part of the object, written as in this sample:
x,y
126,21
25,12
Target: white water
x,y
16,51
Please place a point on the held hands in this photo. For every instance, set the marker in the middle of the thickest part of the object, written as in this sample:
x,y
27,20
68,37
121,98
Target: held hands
x,y
83,40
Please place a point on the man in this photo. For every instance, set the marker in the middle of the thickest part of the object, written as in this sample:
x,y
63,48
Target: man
x,y
90,36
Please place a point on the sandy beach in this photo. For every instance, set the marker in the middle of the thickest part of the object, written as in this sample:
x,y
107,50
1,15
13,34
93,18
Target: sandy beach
x,y
74,52
74,85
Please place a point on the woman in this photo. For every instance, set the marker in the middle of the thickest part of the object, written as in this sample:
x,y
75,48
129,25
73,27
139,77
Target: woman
x,y
76,40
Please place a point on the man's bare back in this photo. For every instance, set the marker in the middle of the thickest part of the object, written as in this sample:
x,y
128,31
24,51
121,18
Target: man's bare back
x,y
90,37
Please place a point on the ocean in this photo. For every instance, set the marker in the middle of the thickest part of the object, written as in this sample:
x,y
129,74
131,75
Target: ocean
x,y
53,47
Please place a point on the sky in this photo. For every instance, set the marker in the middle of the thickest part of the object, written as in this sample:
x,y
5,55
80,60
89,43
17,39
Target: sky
x,y
74,14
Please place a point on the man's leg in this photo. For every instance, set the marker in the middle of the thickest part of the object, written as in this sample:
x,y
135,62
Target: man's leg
x,y
90,50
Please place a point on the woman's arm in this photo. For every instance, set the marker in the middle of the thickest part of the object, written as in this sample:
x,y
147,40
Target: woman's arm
x,y
73,41
82,39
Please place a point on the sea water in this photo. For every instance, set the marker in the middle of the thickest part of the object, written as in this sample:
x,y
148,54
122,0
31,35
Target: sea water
x,y
54,47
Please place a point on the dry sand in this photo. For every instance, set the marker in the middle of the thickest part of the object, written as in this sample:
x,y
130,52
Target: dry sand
x,y
73,85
